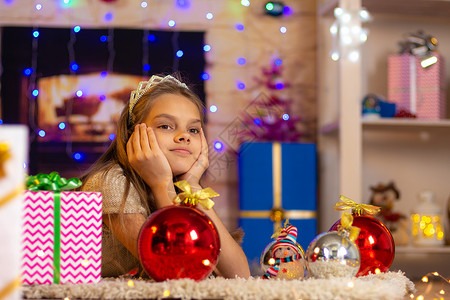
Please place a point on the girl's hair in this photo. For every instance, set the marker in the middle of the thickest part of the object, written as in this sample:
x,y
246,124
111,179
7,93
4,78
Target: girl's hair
x,y
116,154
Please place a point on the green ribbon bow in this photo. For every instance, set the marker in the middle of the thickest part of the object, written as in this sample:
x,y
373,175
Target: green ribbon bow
x,y
51,182
55,183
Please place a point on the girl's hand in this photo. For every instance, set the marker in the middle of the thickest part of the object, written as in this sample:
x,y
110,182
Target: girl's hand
x,y
193,175
147,159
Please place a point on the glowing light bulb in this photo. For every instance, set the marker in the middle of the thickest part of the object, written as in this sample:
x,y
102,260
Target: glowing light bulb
x,y
38,6
27,71
78,156
334,29
205,76
338,12
334,56
283,29
353,56
108,17
346,17
206,48
364,14
245,3
241,61
41,133
218,145
363,37
74,66
213,108
239,27
209,16
144,4
171,23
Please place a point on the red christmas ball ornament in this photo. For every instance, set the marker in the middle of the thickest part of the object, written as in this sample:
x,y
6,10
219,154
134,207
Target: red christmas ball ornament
x,y
375,244
178,242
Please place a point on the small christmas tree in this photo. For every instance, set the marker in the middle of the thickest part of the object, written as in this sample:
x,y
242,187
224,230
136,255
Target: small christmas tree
x,y
268,117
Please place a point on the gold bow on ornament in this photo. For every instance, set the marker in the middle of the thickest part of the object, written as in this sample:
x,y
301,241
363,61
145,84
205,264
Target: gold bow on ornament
x,y
192,199
358,209
278,231
346,226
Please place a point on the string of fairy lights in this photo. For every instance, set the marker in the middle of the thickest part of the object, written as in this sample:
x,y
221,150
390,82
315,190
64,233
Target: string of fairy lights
x,y
275,8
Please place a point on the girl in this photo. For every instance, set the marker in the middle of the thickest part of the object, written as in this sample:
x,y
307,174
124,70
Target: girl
x,y
159,140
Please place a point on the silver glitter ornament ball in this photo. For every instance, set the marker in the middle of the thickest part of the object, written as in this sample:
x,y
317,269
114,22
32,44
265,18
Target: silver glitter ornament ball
x,y
332,254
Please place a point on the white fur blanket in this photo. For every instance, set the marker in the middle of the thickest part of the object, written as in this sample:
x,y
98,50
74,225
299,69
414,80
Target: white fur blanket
x,y
390,285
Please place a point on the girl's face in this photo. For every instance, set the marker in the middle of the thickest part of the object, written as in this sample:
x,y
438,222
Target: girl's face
x,y
177,126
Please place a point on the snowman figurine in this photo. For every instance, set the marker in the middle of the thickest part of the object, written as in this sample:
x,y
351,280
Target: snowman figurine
x,y
287,260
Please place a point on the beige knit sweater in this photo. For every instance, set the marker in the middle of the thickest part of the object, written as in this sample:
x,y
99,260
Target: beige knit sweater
x,y
116,259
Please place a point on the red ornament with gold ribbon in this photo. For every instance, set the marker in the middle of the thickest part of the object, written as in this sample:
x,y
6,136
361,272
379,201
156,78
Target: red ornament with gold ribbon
x,y
375,241
180,241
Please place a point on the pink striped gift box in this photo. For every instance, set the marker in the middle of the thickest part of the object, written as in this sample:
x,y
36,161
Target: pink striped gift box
x,y
61,237
418,90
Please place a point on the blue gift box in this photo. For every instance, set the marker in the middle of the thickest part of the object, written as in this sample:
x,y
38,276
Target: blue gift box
x,y
277,181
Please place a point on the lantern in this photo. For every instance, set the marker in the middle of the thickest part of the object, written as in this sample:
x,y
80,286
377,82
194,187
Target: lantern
x,y
426,222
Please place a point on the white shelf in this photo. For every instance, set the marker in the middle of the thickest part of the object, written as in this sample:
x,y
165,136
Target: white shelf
x,y
404,122
422,249
392,123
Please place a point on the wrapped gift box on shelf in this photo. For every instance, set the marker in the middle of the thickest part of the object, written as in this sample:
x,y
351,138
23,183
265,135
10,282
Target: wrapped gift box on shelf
x,y
416,89
62,236
13,156
277,181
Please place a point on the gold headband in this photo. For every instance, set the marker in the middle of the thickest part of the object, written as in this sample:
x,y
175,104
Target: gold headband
x,y
144,87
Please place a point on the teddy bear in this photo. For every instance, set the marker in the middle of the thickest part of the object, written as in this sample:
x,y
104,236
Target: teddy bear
x,y
384,196
287,260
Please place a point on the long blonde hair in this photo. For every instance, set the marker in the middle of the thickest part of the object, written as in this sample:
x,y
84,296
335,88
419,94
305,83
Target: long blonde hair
x,y
116,154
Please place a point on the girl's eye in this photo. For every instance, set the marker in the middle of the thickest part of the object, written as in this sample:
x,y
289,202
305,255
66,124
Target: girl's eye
x,y
194,130
164,126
